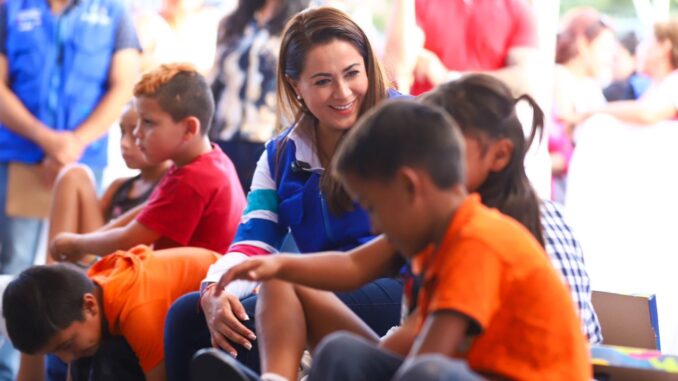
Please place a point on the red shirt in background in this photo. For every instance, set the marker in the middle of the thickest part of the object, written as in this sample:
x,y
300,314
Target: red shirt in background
x,y
474,35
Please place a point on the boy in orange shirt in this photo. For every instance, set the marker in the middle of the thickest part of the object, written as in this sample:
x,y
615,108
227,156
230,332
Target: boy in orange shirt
x,y
108,323
491,306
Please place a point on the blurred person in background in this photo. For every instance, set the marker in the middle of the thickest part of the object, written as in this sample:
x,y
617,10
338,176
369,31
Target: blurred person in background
x,y
433,41
658,57
243,80
627,82
181,31
585,50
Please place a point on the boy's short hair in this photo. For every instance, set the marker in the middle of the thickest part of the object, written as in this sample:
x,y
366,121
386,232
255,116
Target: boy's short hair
x,y
180,91
404,133
42,301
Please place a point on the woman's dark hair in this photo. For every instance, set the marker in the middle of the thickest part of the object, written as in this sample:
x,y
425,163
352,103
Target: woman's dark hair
x,y
233,25
403,133
42,301
306,30
484,109
579,22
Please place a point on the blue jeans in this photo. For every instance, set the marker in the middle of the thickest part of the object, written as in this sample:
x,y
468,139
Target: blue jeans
x,y
377,304
344,356
19,240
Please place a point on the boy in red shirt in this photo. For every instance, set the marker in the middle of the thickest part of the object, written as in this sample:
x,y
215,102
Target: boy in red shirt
x,y
491,306
107,324
199,201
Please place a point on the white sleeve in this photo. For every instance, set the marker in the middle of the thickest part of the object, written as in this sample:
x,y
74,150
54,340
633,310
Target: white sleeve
x,y
239,288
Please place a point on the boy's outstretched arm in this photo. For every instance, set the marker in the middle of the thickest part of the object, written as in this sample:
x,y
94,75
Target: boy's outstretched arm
x,y
71,247
442,333
334,271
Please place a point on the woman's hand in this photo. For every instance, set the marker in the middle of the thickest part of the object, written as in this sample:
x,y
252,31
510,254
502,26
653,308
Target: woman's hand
x,y
223,314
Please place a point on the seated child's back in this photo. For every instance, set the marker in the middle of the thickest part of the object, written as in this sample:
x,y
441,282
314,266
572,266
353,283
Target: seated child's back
x,y
490,269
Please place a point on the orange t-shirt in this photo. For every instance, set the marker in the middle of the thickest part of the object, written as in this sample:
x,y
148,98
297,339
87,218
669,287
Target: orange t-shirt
x,y
490,268
138,288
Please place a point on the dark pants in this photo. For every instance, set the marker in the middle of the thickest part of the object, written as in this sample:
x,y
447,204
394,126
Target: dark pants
x,y
377,304
244,156
344,356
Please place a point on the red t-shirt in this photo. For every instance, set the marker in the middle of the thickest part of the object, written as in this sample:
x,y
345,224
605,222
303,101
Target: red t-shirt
x,y
198,204
474,35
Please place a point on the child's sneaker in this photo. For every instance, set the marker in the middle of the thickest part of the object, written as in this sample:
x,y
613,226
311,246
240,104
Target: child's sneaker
x,y
211,364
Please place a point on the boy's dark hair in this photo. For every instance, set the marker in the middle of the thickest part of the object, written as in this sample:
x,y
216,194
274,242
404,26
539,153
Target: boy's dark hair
x,y
180,91
484,108
41,301
404,133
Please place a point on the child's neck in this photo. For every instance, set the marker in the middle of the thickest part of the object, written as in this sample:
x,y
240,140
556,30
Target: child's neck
x,y
154,173
193,150
446,204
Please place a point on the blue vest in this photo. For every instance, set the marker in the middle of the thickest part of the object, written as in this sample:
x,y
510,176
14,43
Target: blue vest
x,y
304,209
58,68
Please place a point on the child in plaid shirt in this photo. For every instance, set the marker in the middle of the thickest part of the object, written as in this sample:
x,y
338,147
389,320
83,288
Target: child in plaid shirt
x,y
485,111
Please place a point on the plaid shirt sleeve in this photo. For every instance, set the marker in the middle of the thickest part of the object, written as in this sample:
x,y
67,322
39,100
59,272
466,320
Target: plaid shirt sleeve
x,y
567,257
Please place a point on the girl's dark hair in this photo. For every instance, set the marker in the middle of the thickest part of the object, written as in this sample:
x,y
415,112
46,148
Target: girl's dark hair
x,y
584,21
233,25
484,108
42,301
306,30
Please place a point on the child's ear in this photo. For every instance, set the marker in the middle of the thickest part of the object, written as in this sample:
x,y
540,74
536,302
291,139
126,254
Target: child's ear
x,y
501,151
90,304
192,127
409,181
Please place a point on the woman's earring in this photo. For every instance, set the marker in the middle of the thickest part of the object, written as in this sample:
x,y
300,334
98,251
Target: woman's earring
x,y
299,97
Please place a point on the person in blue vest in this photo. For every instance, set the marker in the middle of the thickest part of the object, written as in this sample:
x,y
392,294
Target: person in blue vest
x,y
327,77
67,67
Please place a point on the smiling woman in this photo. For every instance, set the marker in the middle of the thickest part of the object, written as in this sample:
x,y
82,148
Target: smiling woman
x,y
327,77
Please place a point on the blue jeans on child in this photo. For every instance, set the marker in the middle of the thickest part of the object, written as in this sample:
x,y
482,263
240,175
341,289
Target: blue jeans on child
x,y
377,304
345,356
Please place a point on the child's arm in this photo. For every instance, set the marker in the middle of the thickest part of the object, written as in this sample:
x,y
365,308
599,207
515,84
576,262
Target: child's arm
x,y
125,219
442,333
401,339
335,271
72,247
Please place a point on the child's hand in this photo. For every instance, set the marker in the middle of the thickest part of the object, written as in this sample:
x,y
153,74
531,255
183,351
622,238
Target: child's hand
x,y
64,247
253,269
